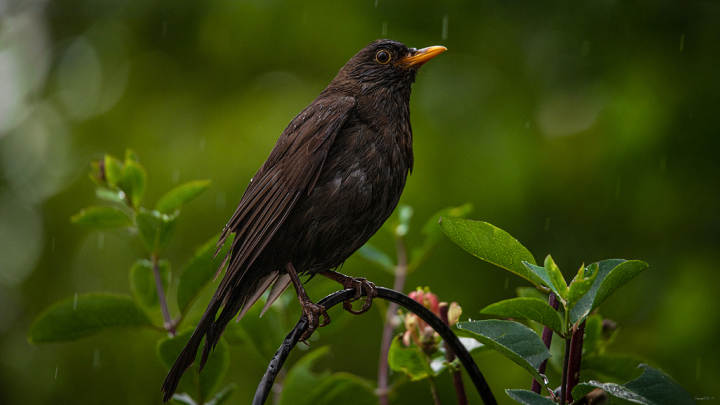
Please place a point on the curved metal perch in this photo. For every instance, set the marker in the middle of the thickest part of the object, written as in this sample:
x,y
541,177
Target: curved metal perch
x,y
263,389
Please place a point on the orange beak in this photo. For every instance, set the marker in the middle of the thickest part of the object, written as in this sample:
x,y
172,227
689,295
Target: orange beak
x,y
419,57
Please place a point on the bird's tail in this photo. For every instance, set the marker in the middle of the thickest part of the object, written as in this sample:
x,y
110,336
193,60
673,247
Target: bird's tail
x,y
211,328
187,356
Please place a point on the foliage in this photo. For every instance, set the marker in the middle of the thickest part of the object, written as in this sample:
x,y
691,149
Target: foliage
x,y
122,185
576,317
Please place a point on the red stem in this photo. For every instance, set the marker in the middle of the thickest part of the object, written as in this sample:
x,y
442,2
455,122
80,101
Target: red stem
x,y
576,344
547,339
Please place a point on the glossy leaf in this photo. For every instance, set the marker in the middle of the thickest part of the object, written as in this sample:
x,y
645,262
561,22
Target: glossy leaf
x,y
491,244
511,339
550,277
377,256
581,283
101,217
201,268
529,397
531,292
142,281
611,275
85,315
408,360
132,182
113,170
116,196
652,387
155,228
201,385
180,195
534,309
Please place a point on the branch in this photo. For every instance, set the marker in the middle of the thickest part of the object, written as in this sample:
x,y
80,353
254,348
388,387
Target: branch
x,y
167,320
547,339
385,342
263,389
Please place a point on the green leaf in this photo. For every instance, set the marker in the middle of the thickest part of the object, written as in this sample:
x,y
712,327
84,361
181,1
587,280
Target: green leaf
x,y
529,397
116,196
376,256
85,315
581,283
155,228
408,360
132,182
223,395
653,387
131,156
180,195
199,271
142,281
113,170
201,384
511,339
433,233
531,292
304,387
534,309
550,277
491,244
611,275
101,217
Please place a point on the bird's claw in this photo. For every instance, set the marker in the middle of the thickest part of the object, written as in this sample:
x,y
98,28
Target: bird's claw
x,y
360,285
313,312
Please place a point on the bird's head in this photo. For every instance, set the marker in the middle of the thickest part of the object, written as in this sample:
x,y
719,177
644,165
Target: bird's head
x,y
385,64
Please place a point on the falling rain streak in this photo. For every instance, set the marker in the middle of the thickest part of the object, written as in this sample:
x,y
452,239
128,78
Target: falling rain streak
x,y
75,302
384,28
444,33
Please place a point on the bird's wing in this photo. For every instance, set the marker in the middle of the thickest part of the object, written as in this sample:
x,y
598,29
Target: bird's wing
x,y
290,171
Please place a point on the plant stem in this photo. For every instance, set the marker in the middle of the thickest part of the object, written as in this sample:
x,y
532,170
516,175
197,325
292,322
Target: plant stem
x,y
450,356
547,339
398,285
167,320
434,391
563,390
576,344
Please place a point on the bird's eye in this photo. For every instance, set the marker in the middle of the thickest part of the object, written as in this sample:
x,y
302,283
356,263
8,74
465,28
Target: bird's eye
x,y
382,57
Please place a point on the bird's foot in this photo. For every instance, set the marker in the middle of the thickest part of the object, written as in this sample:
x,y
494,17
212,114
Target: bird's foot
x,y
313,312
360,285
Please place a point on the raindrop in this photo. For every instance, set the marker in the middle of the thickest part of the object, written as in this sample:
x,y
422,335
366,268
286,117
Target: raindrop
x,y
164,28
376,3
101,241
384,28
75,302
56,372
547,224
176,176
203,141
444,34
682,42
507,282
663,163
96,358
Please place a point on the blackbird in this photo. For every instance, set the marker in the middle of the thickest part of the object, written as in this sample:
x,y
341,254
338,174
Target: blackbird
x,y
334,176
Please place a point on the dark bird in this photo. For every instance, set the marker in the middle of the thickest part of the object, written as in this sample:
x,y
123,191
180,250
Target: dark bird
x,y
334,176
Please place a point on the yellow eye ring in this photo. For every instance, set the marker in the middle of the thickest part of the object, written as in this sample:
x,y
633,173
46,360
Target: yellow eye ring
x,y
382,57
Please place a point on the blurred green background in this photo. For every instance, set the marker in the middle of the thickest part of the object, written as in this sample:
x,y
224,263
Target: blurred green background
x,y
588,131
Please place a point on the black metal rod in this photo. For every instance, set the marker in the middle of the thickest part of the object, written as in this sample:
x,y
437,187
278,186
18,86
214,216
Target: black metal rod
x,y
263,389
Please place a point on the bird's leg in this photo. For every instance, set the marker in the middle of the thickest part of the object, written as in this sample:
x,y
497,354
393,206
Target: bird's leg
x,y
359,285
311,310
